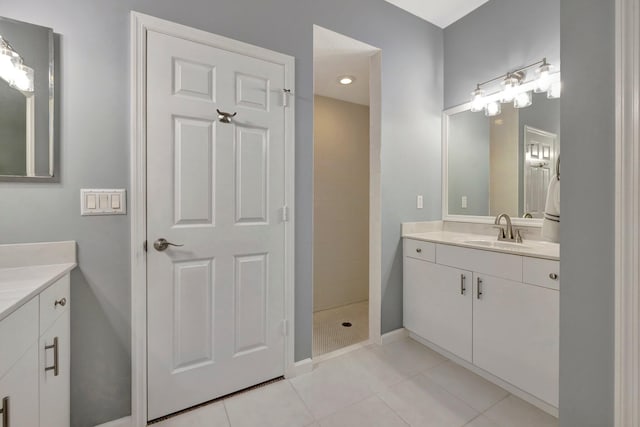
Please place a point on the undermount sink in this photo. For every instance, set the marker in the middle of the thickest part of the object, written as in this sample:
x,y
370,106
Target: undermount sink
x,y
498,244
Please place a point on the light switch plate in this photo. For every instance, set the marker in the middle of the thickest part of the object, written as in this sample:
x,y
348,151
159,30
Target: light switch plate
x,y
419,202
464,202
103,202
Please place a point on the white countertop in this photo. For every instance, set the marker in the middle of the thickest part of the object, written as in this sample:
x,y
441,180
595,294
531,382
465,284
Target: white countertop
x,y
530,248
26,269
18,285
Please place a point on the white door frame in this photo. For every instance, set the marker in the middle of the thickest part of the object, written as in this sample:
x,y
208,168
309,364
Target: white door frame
x,y
627,215
140,25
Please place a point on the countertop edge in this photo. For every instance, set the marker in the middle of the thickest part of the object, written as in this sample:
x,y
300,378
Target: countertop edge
x,y
421,237
66,268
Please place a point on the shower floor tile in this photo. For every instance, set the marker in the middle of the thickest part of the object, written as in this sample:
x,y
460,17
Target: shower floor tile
x,y
328,332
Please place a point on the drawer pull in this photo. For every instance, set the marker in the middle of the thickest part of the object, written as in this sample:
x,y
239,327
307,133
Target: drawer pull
x,y
419,250
61,302
5,412
53,346
479,288
463,288
553,276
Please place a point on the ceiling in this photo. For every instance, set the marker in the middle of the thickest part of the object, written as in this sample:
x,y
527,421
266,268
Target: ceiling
x,y
439,12
335,55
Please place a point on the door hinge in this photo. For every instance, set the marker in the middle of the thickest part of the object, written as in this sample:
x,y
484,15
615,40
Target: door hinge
x,y
285,97
285,328
285,213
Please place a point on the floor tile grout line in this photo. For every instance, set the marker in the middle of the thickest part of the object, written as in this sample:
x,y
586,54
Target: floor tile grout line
x,y
462,398
393,410
501,400
226,412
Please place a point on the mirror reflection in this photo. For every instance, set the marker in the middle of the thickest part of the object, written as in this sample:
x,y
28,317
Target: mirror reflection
x,y
26,100
502,164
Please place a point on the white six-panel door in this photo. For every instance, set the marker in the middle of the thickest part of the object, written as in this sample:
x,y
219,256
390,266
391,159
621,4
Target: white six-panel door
x,y
215,304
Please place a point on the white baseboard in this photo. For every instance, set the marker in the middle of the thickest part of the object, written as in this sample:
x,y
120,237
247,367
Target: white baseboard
x,y
551,410
122,422
392,336
299,368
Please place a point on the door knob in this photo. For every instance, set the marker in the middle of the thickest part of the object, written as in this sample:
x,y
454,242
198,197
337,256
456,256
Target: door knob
x,y
225,117
162,244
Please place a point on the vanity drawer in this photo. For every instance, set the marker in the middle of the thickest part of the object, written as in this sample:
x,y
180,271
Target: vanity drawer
x,y
420,250
53,302
17,333
541,272
495,264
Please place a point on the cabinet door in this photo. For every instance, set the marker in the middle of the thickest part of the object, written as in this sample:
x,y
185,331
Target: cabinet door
x,y
438,304
55,389
20,386
515,334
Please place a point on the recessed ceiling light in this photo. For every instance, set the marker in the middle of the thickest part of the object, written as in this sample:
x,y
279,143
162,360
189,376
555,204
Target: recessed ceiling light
x,y
346,80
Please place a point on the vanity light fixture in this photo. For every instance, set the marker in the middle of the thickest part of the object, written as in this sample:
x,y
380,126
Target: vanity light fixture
x,y
523,99
477,100
492,109
514,87
346,80
13,70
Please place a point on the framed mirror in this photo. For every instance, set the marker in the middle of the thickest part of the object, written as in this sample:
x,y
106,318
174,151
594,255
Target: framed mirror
x,y
500,164
26,102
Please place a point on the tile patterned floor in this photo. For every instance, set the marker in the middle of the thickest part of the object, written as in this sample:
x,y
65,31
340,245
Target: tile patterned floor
x,y
330,335
399,384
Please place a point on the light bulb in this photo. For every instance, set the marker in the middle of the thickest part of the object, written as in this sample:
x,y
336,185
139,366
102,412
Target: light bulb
x,y
477,100
522,100
554,90
542,81
492,109
509,91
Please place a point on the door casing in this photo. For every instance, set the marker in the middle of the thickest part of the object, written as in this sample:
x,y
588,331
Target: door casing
x,y
140,25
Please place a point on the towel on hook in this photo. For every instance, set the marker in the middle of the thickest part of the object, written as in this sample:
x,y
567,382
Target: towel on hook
x,y
551,221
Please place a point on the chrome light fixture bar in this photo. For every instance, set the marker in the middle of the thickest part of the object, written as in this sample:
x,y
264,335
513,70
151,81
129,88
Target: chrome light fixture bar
x,y
516,89
13,70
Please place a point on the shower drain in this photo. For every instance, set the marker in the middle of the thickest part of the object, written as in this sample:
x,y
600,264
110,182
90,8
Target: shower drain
x,y
347,324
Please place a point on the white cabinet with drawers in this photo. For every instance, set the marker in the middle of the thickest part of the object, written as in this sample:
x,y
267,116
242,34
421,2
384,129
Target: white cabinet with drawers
x,y
35,363
499,312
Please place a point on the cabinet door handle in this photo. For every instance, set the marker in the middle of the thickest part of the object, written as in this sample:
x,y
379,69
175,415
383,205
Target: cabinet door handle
x,y
553,276
61,302
55,366
418,250
5,412
463,288
479,288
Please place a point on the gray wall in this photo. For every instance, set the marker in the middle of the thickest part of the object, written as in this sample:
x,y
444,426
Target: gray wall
x,y
499,36
94,120
587,205
468,162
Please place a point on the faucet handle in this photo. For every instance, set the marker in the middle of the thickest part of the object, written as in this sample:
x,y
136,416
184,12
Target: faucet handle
x,y
518,236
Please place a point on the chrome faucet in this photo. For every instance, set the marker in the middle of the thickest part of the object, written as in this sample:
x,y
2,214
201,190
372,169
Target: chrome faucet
x,y
508,234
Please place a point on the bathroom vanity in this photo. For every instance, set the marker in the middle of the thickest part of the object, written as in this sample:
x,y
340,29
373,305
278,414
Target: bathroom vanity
x,y
491,306
35,334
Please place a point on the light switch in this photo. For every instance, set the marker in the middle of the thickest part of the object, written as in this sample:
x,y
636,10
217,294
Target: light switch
x,y
91,201
419,202
115,201
464,202
103,202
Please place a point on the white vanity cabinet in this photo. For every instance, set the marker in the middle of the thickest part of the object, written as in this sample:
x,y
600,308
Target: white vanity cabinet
x,y
35,360
515,334
499,312
437,305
